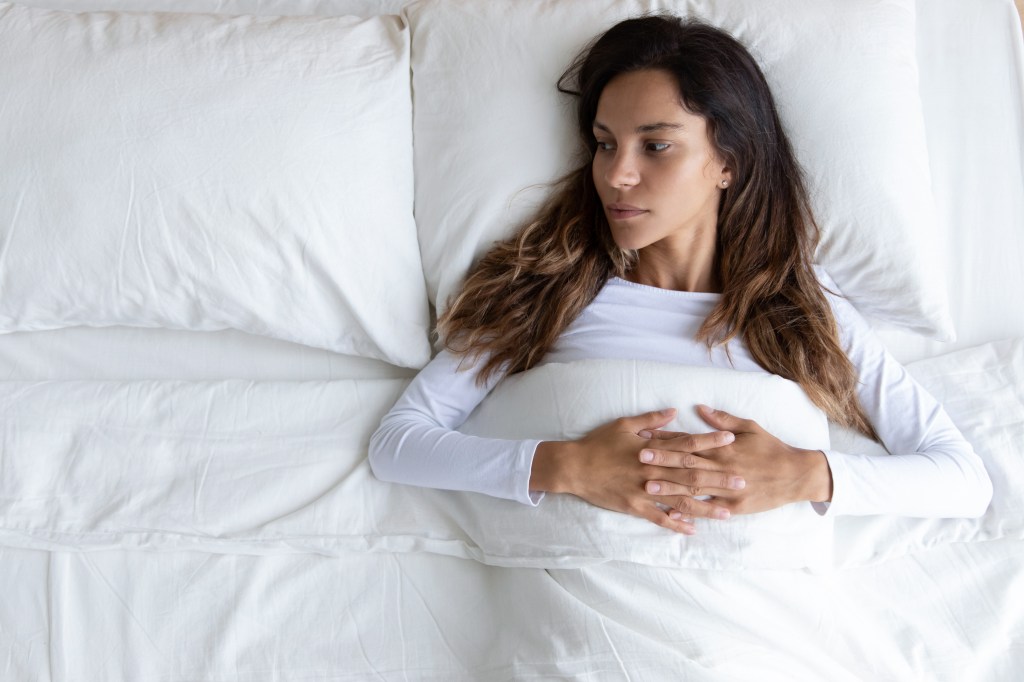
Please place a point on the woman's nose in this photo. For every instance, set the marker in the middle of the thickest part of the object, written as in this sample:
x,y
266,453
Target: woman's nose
x,y
622,171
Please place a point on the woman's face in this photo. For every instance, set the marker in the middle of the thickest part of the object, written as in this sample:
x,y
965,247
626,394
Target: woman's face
x,y
656,171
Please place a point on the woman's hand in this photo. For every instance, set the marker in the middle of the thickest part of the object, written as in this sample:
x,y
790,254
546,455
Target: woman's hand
x,y
604,469
775,473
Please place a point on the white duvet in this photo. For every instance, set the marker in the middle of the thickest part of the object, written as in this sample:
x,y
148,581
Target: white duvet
x,y
279,467
260,522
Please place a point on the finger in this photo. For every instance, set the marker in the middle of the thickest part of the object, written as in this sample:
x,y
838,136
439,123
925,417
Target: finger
x,y
671,519
689,507
648,420
679,452
661,435
693,442
677,515
721,419
700,483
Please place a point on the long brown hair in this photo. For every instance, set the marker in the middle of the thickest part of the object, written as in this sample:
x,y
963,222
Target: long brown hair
x,y
520,297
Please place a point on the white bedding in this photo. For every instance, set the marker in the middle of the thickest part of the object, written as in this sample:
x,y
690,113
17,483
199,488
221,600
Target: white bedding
x,y
954,613
235,520
182,171
277,467
971,69
90,596
960,64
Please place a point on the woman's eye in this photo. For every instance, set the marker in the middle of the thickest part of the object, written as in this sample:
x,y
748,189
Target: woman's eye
x,y
604,146
657,146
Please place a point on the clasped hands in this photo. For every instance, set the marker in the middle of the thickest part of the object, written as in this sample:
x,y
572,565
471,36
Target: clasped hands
x,y
671,478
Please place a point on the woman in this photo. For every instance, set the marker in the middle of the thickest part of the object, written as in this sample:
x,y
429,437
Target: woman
x,y
686,237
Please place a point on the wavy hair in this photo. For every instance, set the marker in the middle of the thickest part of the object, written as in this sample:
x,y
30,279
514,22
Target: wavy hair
x,y
523,293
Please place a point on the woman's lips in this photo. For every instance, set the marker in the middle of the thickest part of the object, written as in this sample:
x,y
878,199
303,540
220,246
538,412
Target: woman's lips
x,y
623,211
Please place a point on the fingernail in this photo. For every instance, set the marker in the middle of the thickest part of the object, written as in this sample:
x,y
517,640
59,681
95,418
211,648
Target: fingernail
x,y
728,437
675,516
646,456
668,410
722,514
645,434
737,483
653,488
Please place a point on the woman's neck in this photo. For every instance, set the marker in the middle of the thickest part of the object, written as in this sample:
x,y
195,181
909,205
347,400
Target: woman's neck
x,y
679,267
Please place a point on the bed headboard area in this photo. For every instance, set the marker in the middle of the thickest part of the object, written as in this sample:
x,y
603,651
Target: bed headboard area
x,y
899,237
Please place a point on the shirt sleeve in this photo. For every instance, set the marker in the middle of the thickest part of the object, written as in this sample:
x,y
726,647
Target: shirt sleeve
x,y
417,442
932,470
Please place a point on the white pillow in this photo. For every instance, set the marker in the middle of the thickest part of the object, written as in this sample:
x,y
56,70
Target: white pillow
x,y
566,401
362,8
491,129
205,172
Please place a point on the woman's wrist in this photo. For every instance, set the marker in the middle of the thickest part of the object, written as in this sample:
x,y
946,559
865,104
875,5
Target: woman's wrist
x,y
819,479
550,471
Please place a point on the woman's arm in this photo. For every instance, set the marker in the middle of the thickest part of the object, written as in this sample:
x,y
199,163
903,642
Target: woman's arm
x,y
417,443
933,471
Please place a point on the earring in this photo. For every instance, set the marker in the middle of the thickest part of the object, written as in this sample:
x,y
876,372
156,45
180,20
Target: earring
x,y
725,183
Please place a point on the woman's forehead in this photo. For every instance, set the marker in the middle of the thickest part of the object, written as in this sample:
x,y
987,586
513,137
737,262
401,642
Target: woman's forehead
x,y
643,102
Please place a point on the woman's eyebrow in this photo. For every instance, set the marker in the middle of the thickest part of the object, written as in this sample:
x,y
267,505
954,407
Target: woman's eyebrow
x,y
646,128
655,127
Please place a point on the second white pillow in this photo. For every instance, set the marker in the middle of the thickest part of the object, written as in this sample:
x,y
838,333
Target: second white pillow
x,y
204,172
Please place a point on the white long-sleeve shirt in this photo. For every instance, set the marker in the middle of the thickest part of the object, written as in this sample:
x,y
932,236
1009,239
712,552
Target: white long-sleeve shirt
x,y
933,471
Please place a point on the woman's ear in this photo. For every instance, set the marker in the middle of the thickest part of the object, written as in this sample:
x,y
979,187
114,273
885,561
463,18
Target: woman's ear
x,y
725,179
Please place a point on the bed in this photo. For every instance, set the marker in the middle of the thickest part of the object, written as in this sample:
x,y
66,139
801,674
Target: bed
x,y
227,227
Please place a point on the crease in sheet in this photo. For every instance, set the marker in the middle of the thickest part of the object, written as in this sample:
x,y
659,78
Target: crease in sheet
x,y
12,228
95,571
